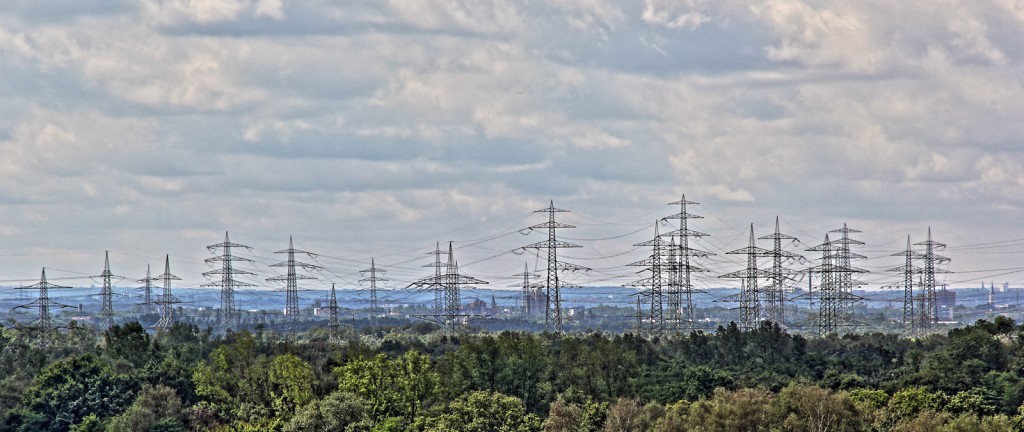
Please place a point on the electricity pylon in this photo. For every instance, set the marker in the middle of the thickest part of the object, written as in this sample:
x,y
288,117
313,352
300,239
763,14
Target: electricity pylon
x,y
929,314
552,282
333,324
106,292
43,302
291,279
750,297
527,289
908,270
437,287
834,298
653,283
681,267
774,297
167,300
147,291
846,280
451,282
371,276
228,278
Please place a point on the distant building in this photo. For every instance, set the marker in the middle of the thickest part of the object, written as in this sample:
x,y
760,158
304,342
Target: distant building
x,y
945,299
477,307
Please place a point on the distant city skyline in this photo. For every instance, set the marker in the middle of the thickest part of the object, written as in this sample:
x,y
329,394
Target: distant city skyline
x,y
375,129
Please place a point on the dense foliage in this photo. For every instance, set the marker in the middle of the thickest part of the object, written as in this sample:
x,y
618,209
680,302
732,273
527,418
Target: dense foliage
x,y
419,379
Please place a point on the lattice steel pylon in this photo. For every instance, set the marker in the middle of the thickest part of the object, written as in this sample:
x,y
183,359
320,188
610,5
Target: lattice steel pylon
x,y
371,276
908,270
552,282
527,290
228,278
43,302
750,297
451,283
439,269
774,297
654,283
147,291
166,300
291,278
833,298
681,268
929,314
845,280
333,324
106,292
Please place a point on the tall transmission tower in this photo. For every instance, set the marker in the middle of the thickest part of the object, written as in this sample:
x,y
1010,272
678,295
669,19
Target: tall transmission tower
x,y
43,302
106,292
167,300
147,291
228,278
451,282
908,270
774,297
333,324
528,291
371,276
846,280
929,314
750,296
681,267
437,287
653,283
835,276
552,282
291,279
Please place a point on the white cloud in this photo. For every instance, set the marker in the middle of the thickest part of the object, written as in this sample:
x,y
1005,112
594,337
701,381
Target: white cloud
x,y
367,118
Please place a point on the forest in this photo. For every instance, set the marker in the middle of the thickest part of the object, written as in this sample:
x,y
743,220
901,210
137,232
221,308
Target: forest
x,y
420,378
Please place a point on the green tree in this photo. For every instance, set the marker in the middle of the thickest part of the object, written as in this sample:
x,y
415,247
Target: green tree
x,y
393,388
68,390
339,411
291,383
154,405
481,411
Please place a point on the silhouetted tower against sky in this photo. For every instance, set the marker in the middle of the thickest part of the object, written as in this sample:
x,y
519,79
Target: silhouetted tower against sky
x,y
751,309
553,283
147,291
333,324
834,272
291,279
451,282
371,277
929,313
681,268
166,300
43,302
527,290
106,293
653,283
228,278
846,280
908,270
437,287
774,297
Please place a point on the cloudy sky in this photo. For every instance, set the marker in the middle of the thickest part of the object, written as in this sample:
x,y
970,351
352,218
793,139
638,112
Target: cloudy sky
x,y
377,128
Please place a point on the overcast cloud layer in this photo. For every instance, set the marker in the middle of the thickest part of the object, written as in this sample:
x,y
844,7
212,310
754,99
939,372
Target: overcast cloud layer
x,y
377,128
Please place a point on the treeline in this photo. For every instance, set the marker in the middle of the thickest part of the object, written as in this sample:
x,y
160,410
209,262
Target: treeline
x,y
417,378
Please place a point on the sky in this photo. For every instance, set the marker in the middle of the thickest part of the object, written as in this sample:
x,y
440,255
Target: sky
x,y
378,129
